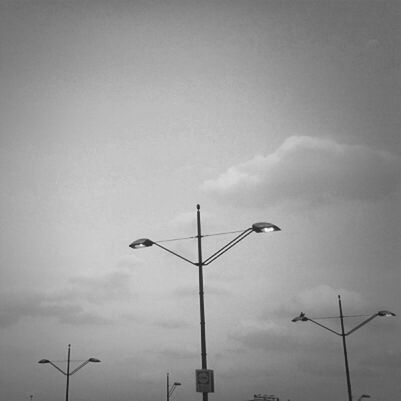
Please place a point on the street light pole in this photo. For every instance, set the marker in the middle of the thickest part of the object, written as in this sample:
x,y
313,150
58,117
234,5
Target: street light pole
x,y
201,296
256,227
303,318
170,391
168,388
68,373
345,351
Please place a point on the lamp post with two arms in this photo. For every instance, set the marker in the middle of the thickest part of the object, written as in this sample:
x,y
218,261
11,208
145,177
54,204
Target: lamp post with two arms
x,y
303,318
146,242
170,390
68,373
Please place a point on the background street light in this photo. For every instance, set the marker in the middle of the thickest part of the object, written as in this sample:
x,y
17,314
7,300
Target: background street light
x,y
257,228
170,391
363,396
303,318
68,373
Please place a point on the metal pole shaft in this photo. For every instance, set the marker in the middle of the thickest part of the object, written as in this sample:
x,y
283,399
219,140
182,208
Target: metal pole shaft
x,y
345,351
201,298
168,388
68,372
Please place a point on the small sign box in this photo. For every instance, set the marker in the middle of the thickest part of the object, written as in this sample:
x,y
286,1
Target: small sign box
x,y
204,380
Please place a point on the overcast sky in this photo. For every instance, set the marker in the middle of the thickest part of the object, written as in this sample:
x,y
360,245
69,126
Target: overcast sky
x,y
118,117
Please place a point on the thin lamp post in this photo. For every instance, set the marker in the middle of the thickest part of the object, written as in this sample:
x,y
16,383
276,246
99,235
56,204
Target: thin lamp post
x,y
257,228
303,318
170,391
68,374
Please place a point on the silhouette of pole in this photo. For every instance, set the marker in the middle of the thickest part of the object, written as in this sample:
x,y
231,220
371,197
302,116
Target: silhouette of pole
x,y
201,298
170,391
168,388
68,372
345,351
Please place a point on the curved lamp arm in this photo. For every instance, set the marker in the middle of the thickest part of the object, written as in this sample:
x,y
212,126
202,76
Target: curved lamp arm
x,y
257,227
54,365
363,396
325,327
174,253
146,242
173,388
380,313
303,318
83,364
228,246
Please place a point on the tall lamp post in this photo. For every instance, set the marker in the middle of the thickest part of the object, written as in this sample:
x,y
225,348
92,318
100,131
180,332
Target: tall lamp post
x,y
68,373
303,318
170,391
257,228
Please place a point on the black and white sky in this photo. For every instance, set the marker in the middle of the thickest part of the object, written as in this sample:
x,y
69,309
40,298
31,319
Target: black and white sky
x,y
118,117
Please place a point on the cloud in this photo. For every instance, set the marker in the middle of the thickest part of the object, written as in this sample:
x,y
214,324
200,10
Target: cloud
x,y
180,352
312,170
18,305
381,359
262,334
172,324
186,291
281,334
73,304
98,289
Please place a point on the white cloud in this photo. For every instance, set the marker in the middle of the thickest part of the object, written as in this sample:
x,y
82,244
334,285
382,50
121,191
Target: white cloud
x,y
312,170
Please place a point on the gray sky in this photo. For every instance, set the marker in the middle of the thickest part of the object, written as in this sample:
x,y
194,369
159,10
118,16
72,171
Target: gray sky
x,y
117,118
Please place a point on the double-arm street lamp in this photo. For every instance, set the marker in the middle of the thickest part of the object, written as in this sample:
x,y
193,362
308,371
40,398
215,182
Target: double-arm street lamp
x,y
170,390
257,228
303,318
68,373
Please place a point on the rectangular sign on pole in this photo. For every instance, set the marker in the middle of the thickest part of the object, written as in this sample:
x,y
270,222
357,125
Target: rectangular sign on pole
x,y
204,380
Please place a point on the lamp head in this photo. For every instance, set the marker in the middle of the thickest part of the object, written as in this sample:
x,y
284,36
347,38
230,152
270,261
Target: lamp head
x,y
141,243
300,318
264,227
177,384
44,361
385,313
94,360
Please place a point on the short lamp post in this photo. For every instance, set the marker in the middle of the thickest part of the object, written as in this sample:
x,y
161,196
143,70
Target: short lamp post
x,y
68,373
257,228
170,390
303,318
